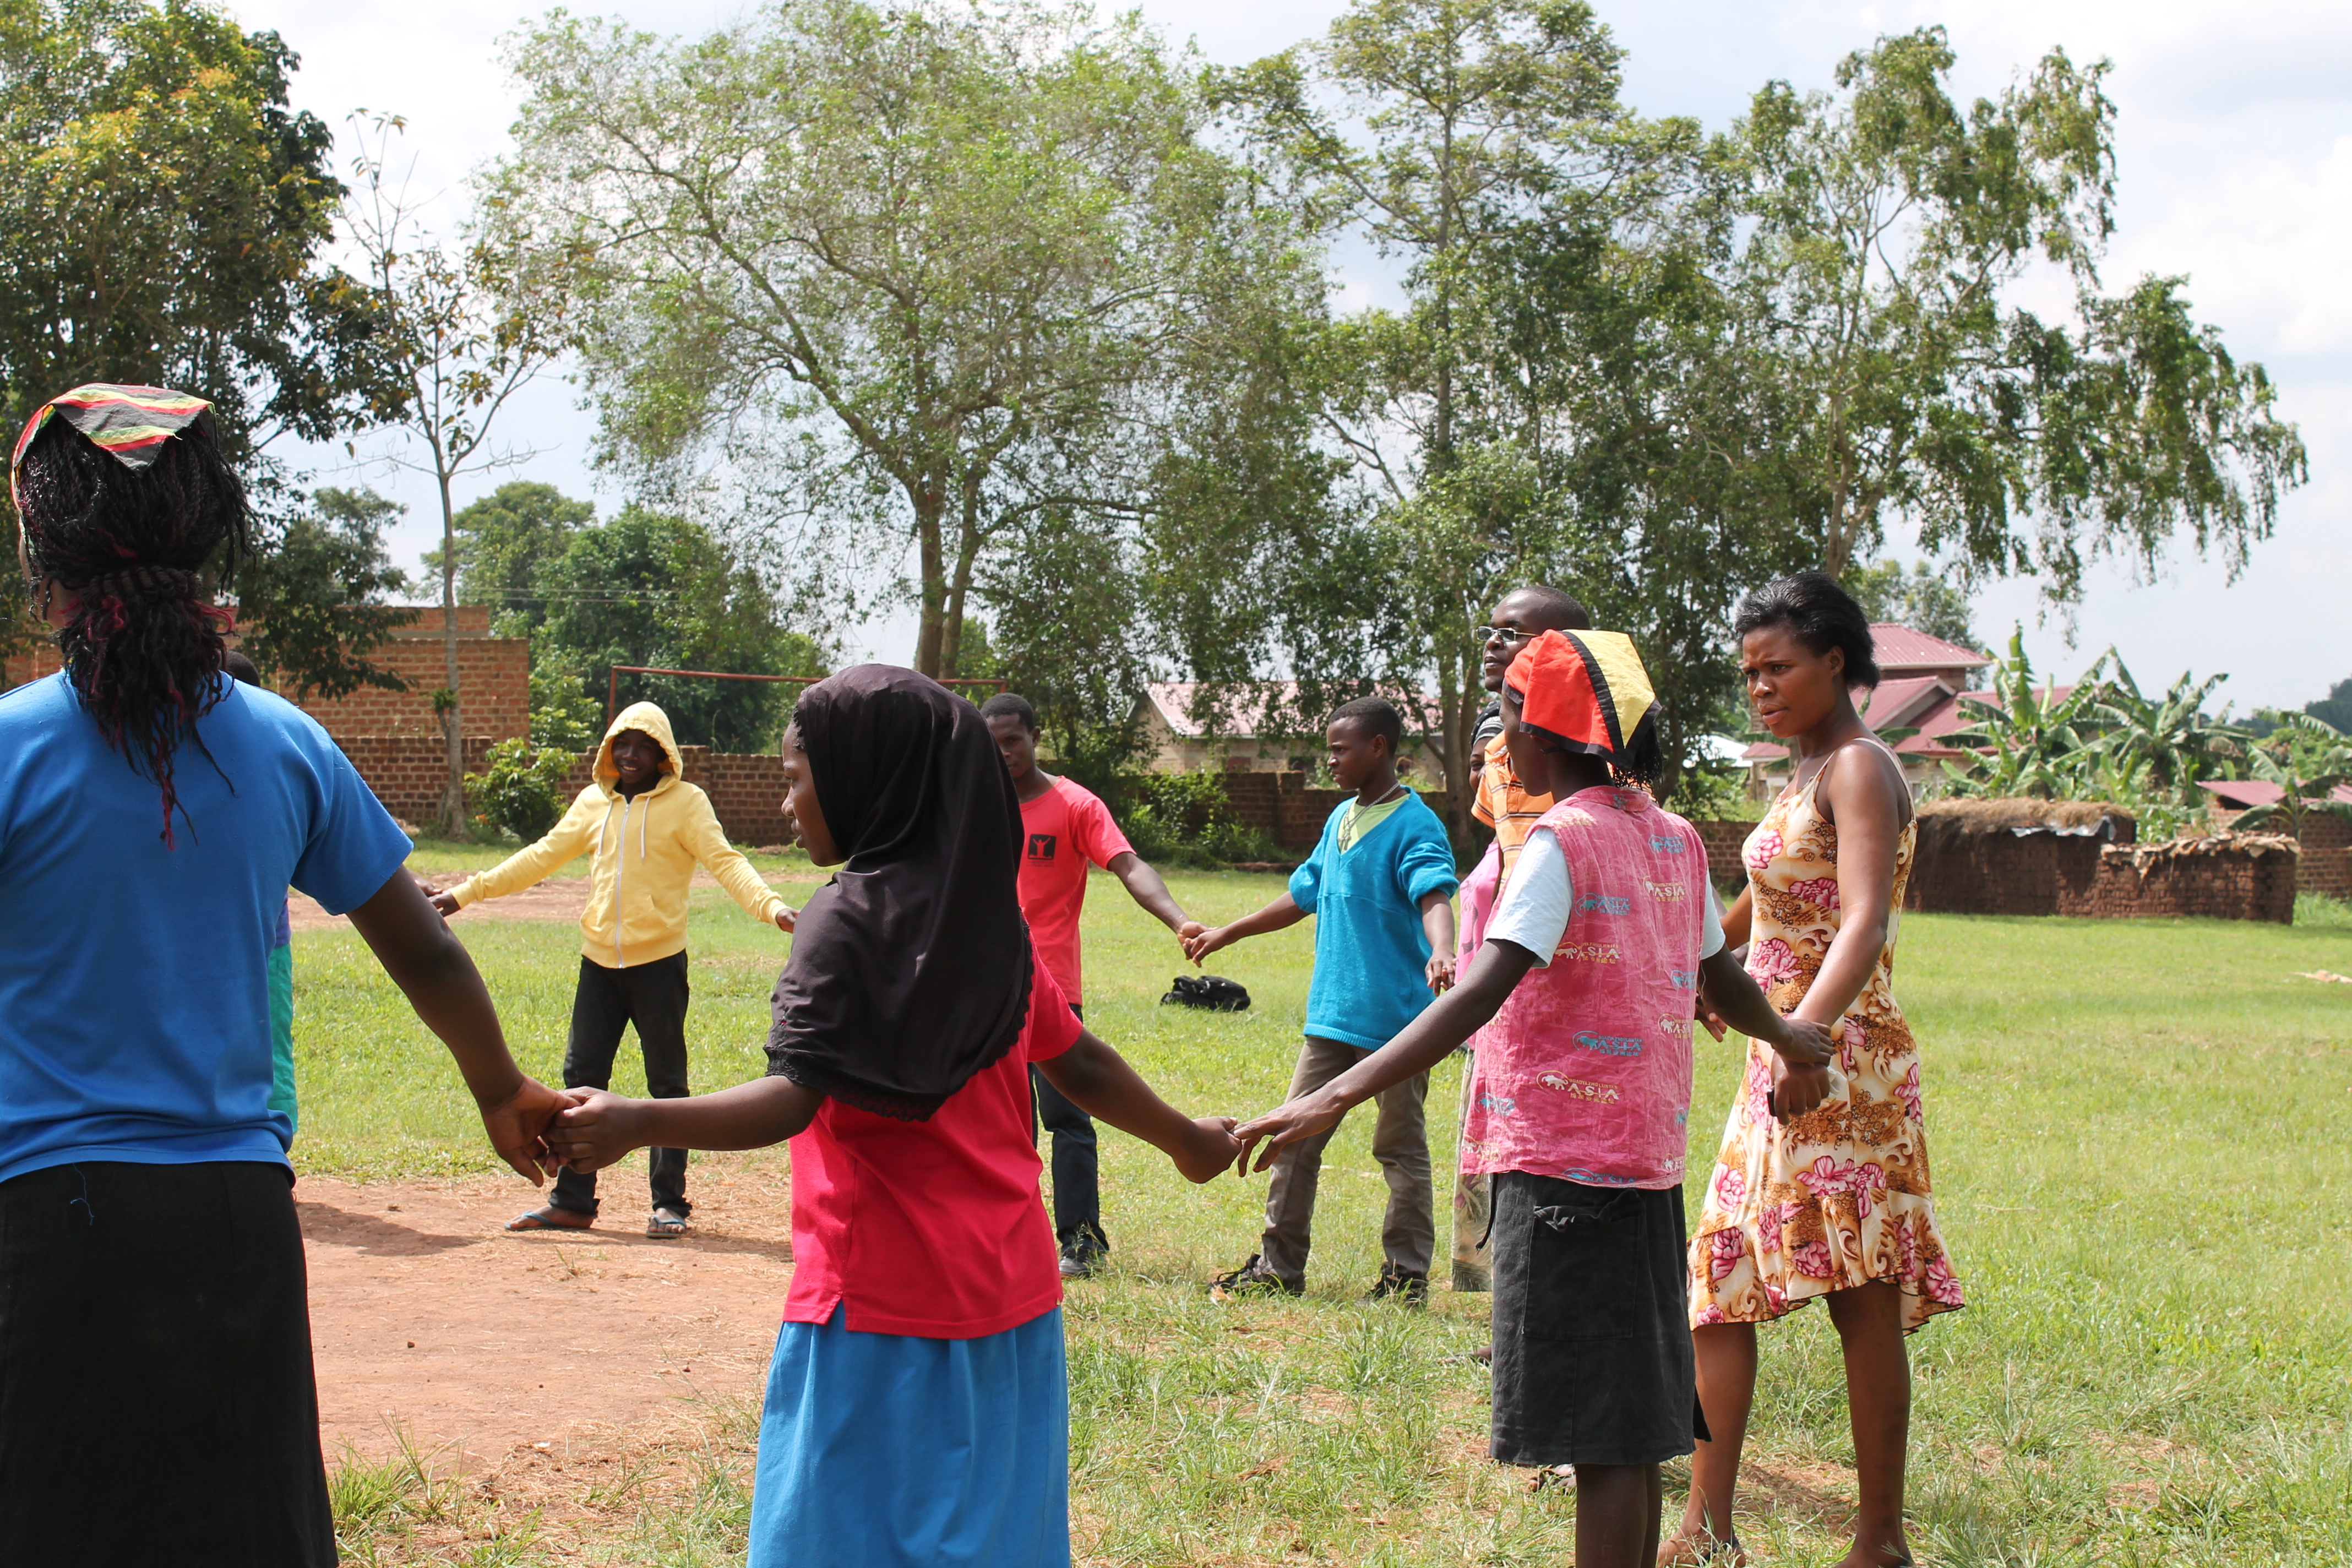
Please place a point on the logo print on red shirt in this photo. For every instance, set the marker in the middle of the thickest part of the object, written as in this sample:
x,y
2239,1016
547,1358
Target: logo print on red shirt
x,y
1040,846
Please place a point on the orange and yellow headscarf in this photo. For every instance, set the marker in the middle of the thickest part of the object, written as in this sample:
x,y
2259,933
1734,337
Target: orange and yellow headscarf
x,y
130,424
1585,690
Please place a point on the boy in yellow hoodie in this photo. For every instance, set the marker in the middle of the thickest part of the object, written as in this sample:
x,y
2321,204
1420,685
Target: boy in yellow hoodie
x,y
648,829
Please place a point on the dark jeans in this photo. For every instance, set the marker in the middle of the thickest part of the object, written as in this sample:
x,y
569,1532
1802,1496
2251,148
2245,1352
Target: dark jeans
x,y
156,1401
1077,1177
653,997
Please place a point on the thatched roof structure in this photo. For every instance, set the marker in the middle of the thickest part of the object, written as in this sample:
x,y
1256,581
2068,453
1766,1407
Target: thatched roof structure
x,y
2066,818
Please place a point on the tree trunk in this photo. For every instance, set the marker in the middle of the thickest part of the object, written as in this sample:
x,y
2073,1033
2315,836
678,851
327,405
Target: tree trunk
x,y
1456,720
959,588
930,642
453,823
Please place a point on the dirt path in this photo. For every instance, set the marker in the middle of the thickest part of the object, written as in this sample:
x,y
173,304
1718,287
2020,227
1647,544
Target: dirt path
x,y
557,898
425,1314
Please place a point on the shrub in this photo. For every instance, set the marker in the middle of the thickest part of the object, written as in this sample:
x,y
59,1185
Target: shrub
x,y
522,790
1184,819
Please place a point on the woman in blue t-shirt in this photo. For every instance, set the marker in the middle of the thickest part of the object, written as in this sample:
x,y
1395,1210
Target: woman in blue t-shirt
x,y
156,1397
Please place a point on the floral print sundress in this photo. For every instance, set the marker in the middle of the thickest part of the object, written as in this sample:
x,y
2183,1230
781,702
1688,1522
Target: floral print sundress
x,y
1838,1196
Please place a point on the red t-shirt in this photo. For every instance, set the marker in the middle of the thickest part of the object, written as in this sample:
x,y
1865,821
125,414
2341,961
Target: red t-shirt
x,y
1061,831
935,1227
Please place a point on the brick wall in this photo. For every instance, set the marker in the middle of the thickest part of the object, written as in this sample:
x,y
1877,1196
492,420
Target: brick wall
x,y
493,675
1281,805
406,773
2217,879
2326,865
1723,840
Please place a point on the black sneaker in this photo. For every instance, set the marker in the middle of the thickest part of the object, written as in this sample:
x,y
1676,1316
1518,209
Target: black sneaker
x,y
1252,1279
1410,1289
1079,1260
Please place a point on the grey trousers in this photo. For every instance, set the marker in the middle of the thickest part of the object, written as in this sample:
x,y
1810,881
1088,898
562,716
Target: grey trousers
x,y
1473,1207
1401,1144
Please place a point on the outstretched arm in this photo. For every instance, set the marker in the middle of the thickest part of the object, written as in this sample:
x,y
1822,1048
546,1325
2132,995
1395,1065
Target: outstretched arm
x,y
600,1128
437,976
1284,911
529,865
1420,1045
1144,886
736,875
1099,1081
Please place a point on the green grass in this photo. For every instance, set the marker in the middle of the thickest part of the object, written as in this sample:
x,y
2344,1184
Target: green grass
x,y
2137,1134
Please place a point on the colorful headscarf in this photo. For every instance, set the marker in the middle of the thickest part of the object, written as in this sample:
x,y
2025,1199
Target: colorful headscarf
x,y
128,424
1587,689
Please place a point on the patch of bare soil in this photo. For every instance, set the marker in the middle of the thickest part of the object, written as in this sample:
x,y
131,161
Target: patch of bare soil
x,y
559,899
426,1316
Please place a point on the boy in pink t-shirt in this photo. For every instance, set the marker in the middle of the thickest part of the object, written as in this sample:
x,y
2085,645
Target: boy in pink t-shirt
x,y
1065,828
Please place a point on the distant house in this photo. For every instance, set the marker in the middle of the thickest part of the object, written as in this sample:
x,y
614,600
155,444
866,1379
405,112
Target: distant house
x,y
1250,739
1921,682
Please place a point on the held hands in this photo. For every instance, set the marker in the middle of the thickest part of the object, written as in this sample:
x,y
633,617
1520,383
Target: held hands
x,y
1439,973
1186,933
1809,1044
519,1126
594,1129
445,901
1797,1087
1708,1018
1204,940
1211,1147
785,918
1286,1124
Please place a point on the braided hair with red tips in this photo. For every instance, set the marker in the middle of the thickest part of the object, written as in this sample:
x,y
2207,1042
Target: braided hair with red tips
x,y
142,646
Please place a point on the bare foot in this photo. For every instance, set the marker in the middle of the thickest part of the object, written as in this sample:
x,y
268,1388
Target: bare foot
x,y
551,1218
1696,1548
1895,1555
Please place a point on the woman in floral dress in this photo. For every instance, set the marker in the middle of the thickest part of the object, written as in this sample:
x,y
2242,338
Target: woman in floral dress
x,y
1821,1187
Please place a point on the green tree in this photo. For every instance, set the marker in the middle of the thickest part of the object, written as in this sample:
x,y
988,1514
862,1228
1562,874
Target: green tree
x,y
1924,599
655,590
1439,130
2335,710
909,273
456,335
311,602
505,543
1890,224
164,208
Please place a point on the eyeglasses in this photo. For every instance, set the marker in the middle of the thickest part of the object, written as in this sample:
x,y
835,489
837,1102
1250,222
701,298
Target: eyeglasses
x,y
1503,634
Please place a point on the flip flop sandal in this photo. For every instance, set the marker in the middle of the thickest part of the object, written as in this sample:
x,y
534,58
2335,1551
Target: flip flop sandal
x,y
665,1226
537,1220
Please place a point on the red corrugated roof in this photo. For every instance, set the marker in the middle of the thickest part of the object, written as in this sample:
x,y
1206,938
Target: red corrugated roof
x,y
1902,651
2245,793
1249,705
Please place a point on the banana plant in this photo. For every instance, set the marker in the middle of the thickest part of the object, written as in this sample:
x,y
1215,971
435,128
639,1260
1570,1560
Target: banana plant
x,y
2030,742
2176,738
2307,758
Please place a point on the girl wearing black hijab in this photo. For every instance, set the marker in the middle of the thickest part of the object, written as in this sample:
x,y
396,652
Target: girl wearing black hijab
x,y
917,1409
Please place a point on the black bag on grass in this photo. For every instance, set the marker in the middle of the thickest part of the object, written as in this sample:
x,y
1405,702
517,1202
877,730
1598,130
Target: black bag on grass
x,y
1214,992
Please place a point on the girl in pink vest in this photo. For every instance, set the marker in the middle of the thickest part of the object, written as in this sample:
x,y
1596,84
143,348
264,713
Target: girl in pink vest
x,y
1598,950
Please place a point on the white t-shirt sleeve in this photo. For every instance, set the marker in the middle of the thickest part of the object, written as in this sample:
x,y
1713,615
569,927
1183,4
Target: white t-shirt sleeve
x,y
1533,910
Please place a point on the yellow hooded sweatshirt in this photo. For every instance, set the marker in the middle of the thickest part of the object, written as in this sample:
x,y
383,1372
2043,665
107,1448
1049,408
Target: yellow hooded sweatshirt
x,y
645,850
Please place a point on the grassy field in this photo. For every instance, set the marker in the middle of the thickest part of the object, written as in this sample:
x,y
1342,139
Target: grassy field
x,y
2138,1139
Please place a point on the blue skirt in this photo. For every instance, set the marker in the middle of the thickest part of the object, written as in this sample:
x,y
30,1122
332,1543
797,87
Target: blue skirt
x,y
887,1449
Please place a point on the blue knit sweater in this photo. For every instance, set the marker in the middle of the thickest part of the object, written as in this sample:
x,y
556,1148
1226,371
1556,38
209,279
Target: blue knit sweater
x,y
1370,948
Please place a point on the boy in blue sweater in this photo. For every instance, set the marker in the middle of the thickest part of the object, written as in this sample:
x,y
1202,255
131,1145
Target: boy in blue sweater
x,y
1379,885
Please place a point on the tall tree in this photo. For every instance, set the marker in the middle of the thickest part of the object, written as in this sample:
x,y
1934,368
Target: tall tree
x,y
908,271
457,334
506,540
162,210
312,606
651,589
1890,225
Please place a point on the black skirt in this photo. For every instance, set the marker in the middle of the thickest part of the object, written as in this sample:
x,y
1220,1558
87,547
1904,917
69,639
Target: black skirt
x,y
156,1398
1592,1347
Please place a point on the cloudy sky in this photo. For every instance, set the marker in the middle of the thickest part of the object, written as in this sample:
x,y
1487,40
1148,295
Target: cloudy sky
x,y
2235,150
